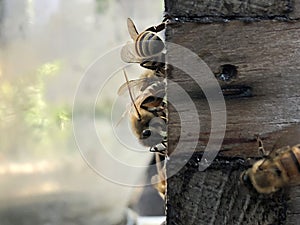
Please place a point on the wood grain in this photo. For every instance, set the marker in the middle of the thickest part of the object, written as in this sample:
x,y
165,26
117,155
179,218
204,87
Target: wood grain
x,y
216,196
206,9
266,54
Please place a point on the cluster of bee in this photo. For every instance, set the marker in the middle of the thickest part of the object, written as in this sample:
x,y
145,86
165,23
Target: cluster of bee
x,y
148,111
148,117
277,169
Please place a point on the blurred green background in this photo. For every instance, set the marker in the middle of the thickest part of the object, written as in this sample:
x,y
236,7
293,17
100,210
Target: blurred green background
x,y
45,49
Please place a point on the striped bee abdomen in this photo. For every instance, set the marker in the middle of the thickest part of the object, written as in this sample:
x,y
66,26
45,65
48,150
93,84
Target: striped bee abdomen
x,y
148,44
289,160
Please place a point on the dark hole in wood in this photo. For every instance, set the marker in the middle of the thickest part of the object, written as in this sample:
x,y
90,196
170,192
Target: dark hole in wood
x,y
228,73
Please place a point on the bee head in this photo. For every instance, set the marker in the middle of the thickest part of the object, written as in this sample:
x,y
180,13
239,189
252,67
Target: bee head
x,y
152,132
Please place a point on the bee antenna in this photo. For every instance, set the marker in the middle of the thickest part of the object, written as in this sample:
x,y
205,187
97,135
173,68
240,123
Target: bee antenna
x,y
261,148
262,151
130,94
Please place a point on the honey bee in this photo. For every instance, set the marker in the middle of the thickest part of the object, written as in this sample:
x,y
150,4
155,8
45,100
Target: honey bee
x,y
148,112
159,180
280,168
147,48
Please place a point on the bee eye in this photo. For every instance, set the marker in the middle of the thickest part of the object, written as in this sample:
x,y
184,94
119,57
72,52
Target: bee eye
x,y
146,133
245,178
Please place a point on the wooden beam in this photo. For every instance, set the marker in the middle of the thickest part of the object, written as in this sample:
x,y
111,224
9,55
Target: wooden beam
x,y
261,40
194,10
266,55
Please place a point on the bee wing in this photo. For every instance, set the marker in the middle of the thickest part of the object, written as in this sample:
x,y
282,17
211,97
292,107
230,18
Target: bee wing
x,y
137,86
275,152
129,111
129,55
280,150
132,29
133,84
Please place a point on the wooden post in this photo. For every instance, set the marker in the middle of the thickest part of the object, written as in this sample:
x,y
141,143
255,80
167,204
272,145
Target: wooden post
x,y
260,39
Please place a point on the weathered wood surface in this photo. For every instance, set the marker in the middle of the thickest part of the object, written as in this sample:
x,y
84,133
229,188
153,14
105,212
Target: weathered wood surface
x,y
217,9
266,54
217,197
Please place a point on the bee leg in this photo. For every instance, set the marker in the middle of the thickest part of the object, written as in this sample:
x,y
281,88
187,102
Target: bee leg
x,y
167,18
149,65
153,149
152,65
157,28
162,152
162,69
156,150
156,63
160,72
165,151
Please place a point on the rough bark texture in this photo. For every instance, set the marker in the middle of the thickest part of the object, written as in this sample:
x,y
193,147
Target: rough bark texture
x,y
217,197
266,55
206,9
263,98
